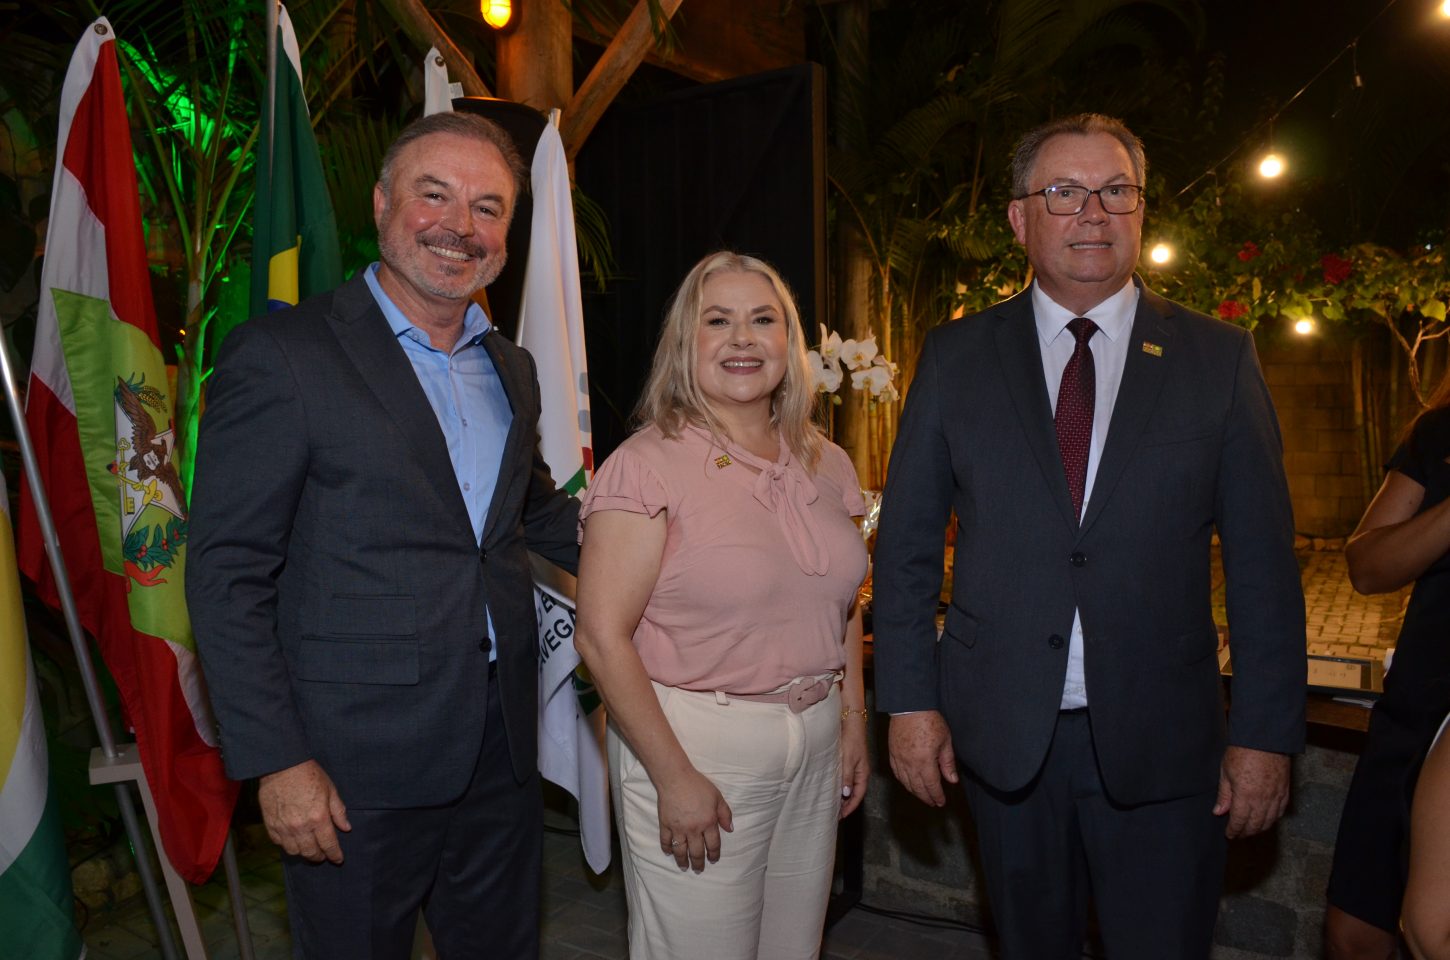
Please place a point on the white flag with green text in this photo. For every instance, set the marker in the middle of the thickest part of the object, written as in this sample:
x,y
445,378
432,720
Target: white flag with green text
x,y
551,327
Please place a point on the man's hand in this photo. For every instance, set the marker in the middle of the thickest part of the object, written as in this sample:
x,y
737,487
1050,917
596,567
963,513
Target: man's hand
x,y
1253,789
920,747
300,807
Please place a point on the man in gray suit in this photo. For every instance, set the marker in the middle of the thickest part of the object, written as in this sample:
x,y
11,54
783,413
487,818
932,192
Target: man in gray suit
x,y
1089,437
367,487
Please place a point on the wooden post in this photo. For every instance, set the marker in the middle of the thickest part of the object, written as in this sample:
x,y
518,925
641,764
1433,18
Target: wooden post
x,y
535,57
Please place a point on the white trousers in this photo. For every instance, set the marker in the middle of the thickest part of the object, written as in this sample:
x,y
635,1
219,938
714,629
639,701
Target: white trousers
x,y
766,897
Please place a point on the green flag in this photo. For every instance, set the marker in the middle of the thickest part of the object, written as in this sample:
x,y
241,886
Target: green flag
x,y
294,235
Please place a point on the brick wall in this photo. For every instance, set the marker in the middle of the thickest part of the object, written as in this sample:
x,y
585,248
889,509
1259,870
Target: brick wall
x,y
1312,390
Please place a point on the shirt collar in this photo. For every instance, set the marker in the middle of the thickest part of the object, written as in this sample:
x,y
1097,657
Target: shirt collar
x,y
1114,316
475,321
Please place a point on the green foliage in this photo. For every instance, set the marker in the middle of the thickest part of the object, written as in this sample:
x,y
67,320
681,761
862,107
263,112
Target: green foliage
x,y
1252,258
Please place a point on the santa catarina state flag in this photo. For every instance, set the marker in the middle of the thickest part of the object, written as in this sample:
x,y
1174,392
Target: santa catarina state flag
x,y
100,409
36,919
294,235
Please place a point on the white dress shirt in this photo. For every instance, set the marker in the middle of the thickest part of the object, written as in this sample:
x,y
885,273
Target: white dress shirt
x,y
1114,317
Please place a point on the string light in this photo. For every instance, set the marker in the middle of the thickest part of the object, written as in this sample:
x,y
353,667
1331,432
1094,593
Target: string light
x,y
1351,47
496,13
1304,326
1162,252
1272,165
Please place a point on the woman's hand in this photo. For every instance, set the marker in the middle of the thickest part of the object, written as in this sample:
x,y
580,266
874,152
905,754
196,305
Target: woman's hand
x,y
855,763
692,814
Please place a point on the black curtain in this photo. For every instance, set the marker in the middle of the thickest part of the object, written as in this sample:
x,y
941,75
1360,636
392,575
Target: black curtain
x,y
739,165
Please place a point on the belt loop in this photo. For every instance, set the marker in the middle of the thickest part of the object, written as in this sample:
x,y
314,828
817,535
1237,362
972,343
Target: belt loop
x,y
721,699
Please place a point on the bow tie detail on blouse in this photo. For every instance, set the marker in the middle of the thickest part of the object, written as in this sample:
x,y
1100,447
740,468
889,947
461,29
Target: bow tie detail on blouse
x,y
785,490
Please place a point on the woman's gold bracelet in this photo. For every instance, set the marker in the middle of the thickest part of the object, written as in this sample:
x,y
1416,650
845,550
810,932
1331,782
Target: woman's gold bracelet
x,y
847,712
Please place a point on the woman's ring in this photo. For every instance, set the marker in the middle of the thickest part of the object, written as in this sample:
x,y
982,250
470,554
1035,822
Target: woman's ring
x,y
676,843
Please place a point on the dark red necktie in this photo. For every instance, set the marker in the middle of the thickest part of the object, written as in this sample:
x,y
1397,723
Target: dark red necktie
x,y
1074,415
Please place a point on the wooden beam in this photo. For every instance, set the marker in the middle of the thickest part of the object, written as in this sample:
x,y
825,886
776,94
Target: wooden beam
x,y
424,31
720,41
624,53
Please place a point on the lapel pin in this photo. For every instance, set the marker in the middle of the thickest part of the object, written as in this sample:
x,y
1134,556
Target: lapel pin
x,y
723,461
1152,349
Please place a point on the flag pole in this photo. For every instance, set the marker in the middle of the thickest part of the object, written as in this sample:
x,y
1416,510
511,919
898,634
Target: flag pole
x,y
269,107
82,653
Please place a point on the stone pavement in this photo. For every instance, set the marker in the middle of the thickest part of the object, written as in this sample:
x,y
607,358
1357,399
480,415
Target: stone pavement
x,y
584,915
1341,622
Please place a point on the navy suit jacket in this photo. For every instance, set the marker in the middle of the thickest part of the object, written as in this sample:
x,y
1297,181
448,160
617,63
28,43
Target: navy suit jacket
x,y
337,591
1193,447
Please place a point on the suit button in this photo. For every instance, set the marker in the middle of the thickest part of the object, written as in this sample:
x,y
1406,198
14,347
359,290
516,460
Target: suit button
x,y
1055,642
1078,558
483,556
485,644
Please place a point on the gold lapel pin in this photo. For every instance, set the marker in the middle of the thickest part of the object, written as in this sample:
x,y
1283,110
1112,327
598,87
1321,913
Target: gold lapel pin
x,y
723,461
1152,349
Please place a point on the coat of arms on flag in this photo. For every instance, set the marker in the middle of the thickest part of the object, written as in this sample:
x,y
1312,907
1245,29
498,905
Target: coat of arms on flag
x,y
147,478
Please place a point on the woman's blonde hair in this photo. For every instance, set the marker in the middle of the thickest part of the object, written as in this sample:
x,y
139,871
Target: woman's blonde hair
x,y
672,394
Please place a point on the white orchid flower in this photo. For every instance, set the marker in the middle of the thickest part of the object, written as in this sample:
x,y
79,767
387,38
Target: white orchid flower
x,y
830,344
874,380
825,374
858,354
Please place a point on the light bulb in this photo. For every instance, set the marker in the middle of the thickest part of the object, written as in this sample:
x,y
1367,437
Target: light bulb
x,y
1273,165
1304,326
496,13
1162,252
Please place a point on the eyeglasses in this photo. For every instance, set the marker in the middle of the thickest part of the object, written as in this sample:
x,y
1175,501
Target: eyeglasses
x,y
1068,199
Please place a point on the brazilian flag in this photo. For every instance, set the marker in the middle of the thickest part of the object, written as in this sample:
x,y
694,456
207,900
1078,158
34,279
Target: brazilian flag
x,y
294,235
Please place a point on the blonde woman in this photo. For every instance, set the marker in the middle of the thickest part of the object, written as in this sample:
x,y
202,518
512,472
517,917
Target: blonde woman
x,y
717,614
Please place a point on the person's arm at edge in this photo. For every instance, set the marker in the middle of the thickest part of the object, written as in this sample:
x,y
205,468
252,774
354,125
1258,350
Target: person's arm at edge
x,y
619,565
1426,914
1392,545
1265,608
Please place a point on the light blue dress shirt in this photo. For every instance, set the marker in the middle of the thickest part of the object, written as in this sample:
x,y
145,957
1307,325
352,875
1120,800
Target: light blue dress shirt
x,y
467,397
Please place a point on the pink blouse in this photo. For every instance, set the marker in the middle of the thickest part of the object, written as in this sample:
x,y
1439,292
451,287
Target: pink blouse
x,y
759,569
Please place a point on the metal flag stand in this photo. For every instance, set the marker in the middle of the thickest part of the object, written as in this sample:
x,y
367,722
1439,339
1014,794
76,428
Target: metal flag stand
x,y
118,763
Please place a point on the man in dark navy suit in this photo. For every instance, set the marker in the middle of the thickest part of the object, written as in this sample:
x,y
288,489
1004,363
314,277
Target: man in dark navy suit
x,y
1090,437
367,488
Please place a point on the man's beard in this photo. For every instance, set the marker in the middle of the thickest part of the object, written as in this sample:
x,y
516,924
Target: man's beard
x,y
487,268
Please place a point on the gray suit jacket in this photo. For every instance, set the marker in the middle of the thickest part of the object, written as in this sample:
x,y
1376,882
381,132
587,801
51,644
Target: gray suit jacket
x,y
1193,446
335,585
